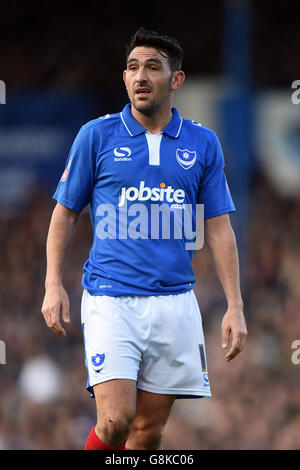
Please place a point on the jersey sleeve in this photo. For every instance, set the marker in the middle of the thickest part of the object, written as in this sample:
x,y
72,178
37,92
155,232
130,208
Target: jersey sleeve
x,y
214,191
75,187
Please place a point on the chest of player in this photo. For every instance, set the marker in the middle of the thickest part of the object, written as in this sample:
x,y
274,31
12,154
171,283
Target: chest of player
x,y
155,161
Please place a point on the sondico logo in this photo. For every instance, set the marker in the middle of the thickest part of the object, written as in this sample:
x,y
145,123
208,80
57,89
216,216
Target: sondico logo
x,y
143,193
122,154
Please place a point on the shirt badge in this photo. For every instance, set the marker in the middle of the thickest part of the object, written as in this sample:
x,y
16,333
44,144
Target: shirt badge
x,y
97,361
186,158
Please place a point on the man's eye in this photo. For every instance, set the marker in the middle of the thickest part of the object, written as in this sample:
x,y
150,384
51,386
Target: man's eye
x,y
132,67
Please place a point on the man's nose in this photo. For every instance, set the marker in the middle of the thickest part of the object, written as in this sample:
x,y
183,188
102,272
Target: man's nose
x,y
141,75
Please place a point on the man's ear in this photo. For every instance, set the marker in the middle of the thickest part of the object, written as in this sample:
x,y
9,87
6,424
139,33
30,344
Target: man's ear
x,y
177,80
124,77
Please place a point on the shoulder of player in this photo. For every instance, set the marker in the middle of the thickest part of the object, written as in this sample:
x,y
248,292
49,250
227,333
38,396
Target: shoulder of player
x,y
102,122
199,129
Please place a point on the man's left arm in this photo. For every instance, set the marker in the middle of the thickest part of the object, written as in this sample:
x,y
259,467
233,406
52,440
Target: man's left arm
x,y
221,242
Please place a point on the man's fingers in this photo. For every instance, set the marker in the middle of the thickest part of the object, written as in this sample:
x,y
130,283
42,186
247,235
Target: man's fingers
x,y
66,312
56,307
57,328
238,343
232,353
55,323
51,316
243,340
225,337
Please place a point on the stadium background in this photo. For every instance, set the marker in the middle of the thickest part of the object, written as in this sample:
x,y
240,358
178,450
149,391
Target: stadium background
x,y
62,66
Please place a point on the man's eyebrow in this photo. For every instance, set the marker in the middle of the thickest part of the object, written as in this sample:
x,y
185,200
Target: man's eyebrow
x,y
151,59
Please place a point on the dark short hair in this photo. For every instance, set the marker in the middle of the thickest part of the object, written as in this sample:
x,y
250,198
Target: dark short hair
x,y
164,44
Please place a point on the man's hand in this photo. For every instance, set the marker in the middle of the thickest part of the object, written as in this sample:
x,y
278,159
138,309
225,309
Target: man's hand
x,y
234,327
56,304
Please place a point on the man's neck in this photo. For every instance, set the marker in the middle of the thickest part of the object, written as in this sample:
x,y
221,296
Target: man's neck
x,y
154,123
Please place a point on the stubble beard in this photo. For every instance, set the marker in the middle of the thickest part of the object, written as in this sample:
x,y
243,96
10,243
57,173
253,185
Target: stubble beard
x,y
150,109
146,108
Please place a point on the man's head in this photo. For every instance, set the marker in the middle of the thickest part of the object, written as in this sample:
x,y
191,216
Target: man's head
x,y
167,46
153,70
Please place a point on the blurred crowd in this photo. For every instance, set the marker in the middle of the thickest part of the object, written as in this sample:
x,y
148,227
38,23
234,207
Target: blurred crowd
x,y
255,403
60,47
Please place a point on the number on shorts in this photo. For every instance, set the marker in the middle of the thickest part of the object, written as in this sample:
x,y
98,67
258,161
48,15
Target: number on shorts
x,y
202,357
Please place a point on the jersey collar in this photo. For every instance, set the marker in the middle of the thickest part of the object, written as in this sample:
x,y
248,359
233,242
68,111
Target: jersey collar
x,y
134,128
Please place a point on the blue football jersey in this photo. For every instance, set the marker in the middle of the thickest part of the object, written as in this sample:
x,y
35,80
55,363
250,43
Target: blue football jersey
x,y
138,186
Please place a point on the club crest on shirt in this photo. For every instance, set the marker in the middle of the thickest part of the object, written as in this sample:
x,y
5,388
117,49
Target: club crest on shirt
x,y
97,361
186,158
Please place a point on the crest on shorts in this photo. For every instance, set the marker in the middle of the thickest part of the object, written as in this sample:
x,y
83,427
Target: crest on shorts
x,y
186,158
97,361
205,379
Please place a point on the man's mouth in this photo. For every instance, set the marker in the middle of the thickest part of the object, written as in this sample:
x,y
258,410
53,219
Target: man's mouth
x,y
142,91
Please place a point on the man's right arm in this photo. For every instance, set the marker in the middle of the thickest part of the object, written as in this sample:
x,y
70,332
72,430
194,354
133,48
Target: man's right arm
x,y
59,241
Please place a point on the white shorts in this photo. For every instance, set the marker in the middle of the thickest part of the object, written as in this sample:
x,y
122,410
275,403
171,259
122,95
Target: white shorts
x,y
155,340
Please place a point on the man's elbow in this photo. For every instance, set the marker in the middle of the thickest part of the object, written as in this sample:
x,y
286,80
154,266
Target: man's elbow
x,y
219,228
64,213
